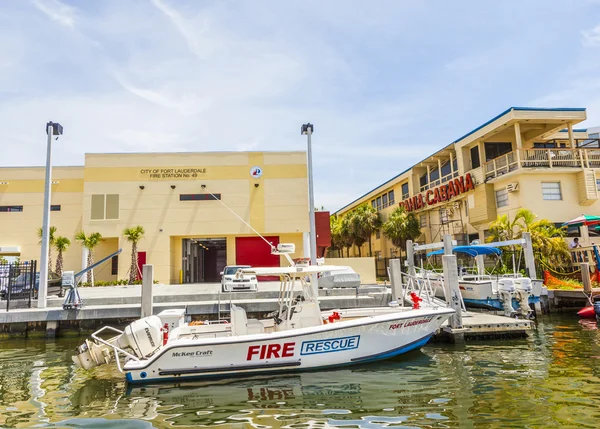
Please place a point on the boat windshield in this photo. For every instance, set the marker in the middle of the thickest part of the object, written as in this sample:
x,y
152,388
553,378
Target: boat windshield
x,y
229,271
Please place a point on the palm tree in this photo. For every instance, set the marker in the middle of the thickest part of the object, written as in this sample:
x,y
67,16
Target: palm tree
x,y
134,235
335,226
363,222
355,227
346,239
89,242
548,244
52,231
400,227
372,223
61,244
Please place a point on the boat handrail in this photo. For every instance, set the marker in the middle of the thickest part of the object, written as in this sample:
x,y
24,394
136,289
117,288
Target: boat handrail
x,y
476,277
115,348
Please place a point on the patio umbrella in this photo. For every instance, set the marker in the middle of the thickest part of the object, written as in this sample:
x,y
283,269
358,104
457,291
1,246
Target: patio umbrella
x,y
586,220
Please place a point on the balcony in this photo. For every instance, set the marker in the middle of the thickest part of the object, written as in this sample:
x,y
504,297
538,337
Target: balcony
x,y
542,158
435,183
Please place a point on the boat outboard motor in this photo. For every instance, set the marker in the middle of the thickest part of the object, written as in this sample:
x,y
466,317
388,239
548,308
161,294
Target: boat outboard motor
x,y
597,308
506,290
523,288
140,338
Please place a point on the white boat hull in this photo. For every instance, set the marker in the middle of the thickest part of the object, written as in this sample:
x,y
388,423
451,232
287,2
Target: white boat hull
x,y
340,343
484,294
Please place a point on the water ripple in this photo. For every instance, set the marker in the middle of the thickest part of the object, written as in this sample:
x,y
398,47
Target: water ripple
x,y
549,380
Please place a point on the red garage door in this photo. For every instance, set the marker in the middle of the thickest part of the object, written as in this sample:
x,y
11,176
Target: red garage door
x,y
255,252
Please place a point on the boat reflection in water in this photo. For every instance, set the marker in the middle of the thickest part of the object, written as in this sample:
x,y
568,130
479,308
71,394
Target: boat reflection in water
x,y
274,400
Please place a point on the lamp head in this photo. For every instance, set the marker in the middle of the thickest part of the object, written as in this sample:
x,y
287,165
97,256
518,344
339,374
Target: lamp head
x,y
306,128
57,128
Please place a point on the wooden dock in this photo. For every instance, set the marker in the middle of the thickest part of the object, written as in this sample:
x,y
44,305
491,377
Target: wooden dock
x,y
486,326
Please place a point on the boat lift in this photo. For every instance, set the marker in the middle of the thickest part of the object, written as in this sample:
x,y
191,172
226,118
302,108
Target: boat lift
x,y
452,288
73,300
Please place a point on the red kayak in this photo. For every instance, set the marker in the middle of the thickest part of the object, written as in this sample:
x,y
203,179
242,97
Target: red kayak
x,y
587,312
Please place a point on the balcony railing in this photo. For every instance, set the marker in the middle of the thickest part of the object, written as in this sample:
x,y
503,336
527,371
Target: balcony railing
x,y
542,158
438,182
587,254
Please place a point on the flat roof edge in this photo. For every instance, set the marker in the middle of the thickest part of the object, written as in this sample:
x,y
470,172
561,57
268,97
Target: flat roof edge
x,y
195,153
516,108
374,189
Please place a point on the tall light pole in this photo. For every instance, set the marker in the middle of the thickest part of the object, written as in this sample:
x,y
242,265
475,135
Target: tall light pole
x,y
307,129
52,129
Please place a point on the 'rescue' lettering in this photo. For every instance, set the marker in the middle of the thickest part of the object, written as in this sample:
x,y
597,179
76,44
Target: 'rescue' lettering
x,y
330,345
271,351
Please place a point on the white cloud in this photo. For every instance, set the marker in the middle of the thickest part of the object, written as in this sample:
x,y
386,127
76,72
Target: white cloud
x,y
592,37
185,29
57,11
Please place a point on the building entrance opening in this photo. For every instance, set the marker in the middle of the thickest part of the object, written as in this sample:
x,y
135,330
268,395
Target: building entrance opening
x,y
203,259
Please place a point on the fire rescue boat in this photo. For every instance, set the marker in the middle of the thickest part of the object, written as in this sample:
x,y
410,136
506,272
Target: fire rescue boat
x,y
297,336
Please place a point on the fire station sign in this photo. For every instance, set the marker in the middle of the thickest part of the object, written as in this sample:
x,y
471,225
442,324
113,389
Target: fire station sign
x,y
444,192
189,173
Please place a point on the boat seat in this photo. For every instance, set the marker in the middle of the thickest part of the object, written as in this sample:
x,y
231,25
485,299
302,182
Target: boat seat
x,y
255,326
239,320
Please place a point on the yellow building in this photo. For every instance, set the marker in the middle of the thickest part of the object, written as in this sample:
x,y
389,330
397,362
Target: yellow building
x,y
523,158
189,236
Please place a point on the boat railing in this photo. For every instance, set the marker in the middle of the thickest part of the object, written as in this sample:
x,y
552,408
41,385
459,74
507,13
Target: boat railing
x,y
420,286
476,277
426,284
112,343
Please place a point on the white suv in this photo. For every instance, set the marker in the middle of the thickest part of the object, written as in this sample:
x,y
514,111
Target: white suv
x,y
231,283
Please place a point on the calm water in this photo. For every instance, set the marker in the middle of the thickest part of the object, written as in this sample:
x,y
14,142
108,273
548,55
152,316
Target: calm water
x,y
550,380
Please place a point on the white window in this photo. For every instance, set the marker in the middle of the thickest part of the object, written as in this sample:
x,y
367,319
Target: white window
x,y
551,191
501,198
105,206
598,184
423,221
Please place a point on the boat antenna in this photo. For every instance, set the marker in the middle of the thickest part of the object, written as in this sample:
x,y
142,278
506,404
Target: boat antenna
x,y
239,217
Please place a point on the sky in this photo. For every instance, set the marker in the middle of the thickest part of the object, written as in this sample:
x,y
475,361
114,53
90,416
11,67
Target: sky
x,y
385,83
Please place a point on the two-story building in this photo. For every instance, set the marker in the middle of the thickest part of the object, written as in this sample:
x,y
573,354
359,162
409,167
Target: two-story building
x,y
176,197
530,158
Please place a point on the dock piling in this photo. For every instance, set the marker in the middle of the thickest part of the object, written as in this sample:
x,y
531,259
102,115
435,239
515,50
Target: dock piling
x,y
452,290
396,281
585,277
529,258
147,283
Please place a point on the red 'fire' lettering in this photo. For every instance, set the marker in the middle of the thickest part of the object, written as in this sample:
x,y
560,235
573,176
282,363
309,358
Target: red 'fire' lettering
x,y
252,350
271,351
288,350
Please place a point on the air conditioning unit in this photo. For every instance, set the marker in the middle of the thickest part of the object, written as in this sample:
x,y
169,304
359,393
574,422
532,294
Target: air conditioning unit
x,y
512,187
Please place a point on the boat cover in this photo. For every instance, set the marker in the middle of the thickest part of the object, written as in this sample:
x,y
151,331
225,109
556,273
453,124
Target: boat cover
x,y
470,250
345,278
